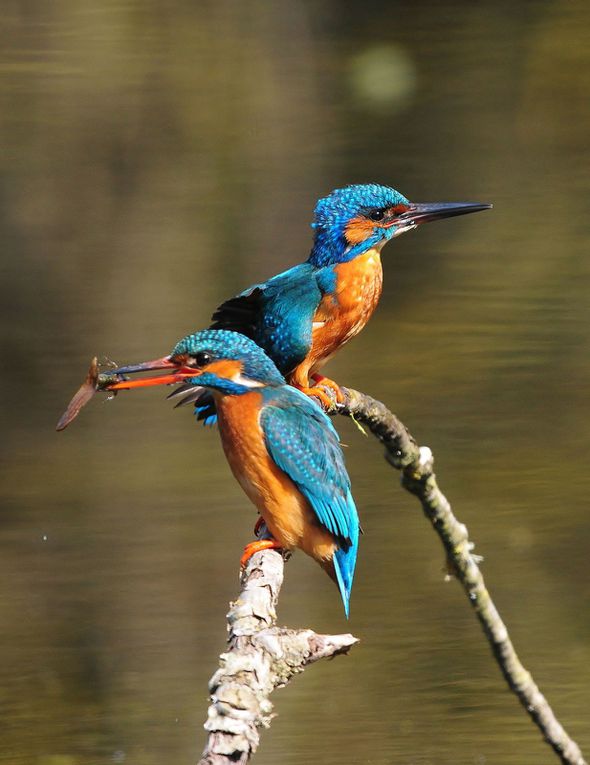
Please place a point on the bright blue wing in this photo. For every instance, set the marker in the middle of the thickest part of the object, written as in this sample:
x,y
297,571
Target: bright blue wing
x,y
277,315
303,443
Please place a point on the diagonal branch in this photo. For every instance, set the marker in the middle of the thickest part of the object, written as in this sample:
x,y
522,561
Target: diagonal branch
x,y
416,464
260,657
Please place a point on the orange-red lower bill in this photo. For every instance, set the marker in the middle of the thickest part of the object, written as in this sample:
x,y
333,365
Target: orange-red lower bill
x,y
177,377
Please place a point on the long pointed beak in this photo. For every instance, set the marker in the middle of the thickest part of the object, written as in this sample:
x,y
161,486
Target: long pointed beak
x,y
429,211
180,374
146,366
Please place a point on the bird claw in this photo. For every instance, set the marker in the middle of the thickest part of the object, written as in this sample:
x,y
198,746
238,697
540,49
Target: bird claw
x,y
330,386
326,400
254,547
327,393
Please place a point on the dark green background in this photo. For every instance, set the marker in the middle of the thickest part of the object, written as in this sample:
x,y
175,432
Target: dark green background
x,y
155,158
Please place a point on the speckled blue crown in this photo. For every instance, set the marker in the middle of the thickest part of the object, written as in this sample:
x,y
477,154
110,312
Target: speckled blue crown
x,y
333,212
343,204
222,344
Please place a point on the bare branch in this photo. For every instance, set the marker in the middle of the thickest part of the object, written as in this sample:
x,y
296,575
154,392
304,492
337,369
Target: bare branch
x,y
416,464
260,658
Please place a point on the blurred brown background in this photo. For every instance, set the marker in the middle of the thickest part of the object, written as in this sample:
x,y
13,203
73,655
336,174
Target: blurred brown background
x,y
158,157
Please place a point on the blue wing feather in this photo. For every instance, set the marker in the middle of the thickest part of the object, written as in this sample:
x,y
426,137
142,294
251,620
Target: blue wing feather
x,y
205,410
277,314
304,444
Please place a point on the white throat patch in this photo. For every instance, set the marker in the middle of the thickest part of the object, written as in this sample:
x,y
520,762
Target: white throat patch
x,y
247,382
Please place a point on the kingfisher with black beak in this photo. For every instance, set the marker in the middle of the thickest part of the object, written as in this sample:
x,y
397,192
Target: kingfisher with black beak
x,y
303,316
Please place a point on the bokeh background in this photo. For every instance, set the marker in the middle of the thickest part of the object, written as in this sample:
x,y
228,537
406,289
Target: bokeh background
x,y
159,157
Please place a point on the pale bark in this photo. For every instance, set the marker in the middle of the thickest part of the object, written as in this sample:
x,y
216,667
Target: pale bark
x,y
416,465
260,657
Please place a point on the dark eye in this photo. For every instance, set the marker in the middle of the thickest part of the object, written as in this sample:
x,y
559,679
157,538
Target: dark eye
x,y
203,358
377,215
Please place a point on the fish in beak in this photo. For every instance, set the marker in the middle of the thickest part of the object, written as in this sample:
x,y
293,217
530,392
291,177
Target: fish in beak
x,y
179,375
116,380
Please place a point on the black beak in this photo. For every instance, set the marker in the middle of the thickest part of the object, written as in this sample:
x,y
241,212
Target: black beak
x,y
429,211
146,366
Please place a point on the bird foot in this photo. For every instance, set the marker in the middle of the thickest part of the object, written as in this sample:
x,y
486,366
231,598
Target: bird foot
x,y
333,387
327,392
257,546
325,400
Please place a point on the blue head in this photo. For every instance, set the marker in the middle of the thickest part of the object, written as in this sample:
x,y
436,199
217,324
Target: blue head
x,y
355,219
224,361
352,220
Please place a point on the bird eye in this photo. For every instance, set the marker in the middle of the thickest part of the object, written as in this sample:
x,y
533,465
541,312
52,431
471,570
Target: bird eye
x,y
203,358
377,215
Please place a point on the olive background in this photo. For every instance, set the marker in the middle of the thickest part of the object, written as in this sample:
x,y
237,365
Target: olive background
x,y
158,158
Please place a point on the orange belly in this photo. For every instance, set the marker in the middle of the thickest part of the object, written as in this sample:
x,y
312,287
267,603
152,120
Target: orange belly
x,y
286,512
343,314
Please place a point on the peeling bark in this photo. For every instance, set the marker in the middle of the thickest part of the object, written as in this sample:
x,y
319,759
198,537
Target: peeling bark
x,y
260,657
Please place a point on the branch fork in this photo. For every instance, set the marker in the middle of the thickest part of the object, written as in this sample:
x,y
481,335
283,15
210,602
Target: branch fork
x,y
260,658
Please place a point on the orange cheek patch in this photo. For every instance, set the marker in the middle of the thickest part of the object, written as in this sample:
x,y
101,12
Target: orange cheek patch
x,y
358,229
224,368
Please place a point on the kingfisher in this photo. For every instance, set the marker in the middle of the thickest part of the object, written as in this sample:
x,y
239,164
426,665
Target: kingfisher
x,y
281,447
302,317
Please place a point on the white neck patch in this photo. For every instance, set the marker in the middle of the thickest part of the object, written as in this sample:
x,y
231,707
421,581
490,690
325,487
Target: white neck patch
x,y
247,382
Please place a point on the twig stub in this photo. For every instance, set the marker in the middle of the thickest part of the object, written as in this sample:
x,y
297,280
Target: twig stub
x,y
260,658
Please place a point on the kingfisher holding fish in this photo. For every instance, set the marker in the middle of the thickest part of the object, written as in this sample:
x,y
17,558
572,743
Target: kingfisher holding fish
x,y
254,369
281,447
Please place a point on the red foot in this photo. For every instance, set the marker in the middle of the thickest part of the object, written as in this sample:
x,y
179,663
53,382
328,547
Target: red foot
x,y
325,382
327,392
325,400
257,546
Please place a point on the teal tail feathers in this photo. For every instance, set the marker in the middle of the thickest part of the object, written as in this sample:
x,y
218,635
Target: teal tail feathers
x,y
344,564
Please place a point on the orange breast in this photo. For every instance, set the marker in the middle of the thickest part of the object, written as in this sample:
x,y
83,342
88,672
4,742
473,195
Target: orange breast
x,y
288,515
343,315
